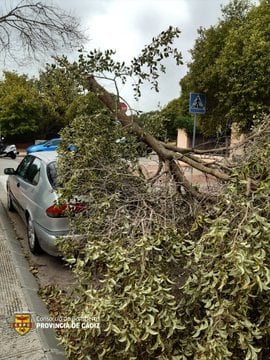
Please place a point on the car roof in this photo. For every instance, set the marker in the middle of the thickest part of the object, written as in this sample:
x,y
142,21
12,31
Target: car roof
x,y
46,141
53,139
46,156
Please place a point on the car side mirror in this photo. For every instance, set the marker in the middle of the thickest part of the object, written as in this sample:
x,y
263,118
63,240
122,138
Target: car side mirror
x,y
9,171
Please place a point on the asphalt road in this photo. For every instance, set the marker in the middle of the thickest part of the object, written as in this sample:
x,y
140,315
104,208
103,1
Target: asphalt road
x,y
47,269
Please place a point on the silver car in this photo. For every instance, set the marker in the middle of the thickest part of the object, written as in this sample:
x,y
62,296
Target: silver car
x,y
31,190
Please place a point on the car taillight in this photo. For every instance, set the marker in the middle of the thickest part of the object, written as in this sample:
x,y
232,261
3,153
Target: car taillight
x,y
60,210
57,210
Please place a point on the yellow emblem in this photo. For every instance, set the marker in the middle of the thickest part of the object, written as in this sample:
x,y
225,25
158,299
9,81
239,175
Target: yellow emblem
x,y
22,323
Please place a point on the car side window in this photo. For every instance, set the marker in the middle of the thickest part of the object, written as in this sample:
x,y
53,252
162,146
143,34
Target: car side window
x,y
33,172
23,166
52,174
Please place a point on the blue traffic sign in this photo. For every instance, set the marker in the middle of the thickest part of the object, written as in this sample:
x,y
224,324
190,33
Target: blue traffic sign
x,y
197,103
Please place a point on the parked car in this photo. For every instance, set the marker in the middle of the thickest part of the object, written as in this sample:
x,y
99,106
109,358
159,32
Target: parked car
x,y
31,191
49,145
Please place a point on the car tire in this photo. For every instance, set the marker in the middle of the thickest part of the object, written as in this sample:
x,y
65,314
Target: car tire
x,y
32,238
13,156
10,205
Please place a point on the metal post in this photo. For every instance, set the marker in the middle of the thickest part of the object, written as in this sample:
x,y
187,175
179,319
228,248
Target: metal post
x,y
193,141
194,131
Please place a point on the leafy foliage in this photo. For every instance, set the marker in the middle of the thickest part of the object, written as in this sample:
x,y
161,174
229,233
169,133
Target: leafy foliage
x,y
176,118
166,281
144,68
230,65
125,259
62,98
155,123
19,110
41,107
225,298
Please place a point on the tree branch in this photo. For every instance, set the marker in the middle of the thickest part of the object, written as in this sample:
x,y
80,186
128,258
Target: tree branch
x,y
157,146
38,27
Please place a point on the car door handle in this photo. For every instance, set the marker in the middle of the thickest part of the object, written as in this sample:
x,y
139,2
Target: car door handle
x,y
18,184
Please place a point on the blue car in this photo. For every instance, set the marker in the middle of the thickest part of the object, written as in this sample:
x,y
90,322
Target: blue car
x,y
49,145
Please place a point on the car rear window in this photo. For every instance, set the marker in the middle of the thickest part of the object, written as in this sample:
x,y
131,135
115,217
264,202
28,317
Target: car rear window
x,y
52,174
33,172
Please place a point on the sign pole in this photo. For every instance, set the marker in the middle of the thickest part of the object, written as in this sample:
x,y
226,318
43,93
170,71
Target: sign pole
x,y
193,141
197,104
194,130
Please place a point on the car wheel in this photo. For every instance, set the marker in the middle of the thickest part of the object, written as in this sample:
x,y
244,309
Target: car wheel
x,y
32,238
13,156
10,205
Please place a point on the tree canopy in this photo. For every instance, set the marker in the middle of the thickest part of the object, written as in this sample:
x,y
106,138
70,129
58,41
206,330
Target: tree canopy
x,y
20,112
230,64
57,93
42,106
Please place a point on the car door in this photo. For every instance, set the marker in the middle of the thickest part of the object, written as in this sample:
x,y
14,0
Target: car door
x,y
15,182
27,176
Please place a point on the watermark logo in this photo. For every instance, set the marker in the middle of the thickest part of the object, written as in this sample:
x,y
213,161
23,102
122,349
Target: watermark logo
x,y
44,322
22,323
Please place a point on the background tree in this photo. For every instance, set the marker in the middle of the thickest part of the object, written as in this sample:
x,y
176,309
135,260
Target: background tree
x,y
40,108
63,98
57,93
20,112
230,65
246,78
176,118
83,104
155,123
32,28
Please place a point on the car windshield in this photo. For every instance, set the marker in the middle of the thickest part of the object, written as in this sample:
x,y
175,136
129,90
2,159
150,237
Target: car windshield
x,y
52,174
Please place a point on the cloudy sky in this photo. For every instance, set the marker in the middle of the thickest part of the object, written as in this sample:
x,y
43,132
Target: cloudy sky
x,y
128,25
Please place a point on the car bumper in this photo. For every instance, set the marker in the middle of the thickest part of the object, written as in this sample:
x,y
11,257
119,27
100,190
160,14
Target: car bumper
x,y
47,239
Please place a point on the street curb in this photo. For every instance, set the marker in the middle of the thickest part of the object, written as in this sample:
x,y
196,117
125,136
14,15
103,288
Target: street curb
x,y
52,350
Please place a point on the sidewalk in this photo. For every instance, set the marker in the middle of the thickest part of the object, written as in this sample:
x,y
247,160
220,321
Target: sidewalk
x,y
18,294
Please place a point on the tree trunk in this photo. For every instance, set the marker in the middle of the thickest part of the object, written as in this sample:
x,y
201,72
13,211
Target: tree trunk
x,y
164,153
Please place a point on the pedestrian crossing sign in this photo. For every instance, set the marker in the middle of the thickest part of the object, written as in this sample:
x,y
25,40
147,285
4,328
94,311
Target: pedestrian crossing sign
x,y
197,103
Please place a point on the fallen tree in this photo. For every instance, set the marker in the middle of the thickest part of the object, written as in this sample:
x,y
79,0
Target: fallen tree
x,y
166,278
165,274
97,65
